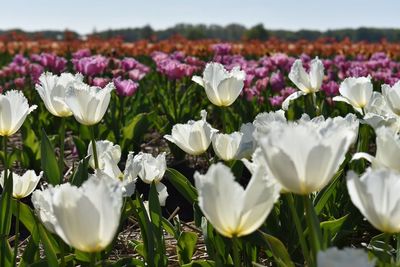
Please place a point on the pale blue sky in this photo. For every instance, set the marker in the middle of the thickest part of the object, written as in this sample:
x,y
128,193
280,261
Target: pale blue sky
x,y
85,15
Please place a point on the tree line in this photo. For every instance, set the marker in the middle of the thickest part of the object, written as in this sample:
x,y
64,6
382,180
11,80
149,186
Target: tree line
x,y
231,32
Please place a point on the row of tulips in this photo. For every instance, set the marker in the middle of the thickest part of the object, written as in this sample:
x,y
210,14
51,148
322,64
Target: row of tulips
x,y
326,47
293,209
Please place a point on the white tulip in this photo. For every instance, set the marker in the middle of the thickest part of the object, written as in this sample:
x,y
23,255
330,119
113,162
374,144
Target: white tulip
x,y
378,113
387,150
258,161
231,209
308,83
226,146
392,97
266,121
193,137
109,156
222,87
333,257
248,144
86,218
104,149
356,92
88,103
23,185
52,89
376,195
150,169
304,156
41,200
14,109
236,145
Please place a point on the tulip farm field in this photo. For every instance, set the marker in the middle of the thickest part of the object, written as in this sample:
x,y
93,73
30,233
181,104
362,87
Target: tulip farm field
x,y
199,153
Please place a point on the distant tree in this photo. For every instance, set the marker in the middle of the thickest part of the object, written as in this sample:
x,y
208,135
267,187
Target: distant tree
x,y
257,32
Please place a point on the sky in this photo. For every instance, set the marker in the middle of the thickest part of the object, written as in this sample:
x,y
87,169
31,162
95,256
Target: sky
x,y
84,16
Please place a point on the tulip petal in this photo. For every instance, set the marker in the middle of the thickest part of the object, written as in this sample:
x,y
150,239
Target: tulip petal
x,y
295,95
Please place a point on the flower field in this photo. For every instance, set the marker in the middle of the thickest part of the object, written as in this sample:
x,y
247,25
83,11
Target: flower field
x,y
199,153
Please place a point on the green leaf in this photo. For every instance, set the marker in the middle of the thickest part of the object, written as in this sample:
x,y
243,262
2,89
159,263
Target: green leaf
x,y
200,263
5,206
81,174
324,195
186,246
49,247
133,132
278,250
168,227
25,215
28,256
49,161
182,184
145,228
331,228
127,262
156,220
80,147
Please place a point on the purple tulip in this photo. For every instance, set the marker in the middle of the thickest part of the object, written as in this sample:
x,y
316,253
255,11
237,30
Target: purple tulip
x,y
19,82
35,70
90,66
277,81
81,53
129,63
331,88
100,82
276,101
221,48
136,74
125,87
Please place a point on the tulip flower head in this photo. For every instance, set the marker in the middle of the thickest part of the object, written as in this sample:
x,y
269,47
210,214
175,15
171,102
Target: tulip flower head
x,y
387,150
356,92
376,195
231,209
52,88
193,137
392,97
23,185
150,169
14,109
308,83
303,156
222,87
109,156
41,200
226,146
86,218
88,103
333,257
378,113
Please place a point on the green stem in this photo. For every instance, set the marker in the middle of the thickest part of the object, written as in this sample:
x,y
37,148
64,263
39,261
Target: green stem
x,y
297,223
16,240
62,145
120,118
4,223
236,253
387,250
221,111
5,159
314,229
93,259
103,257
96,161
62,252
398,249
